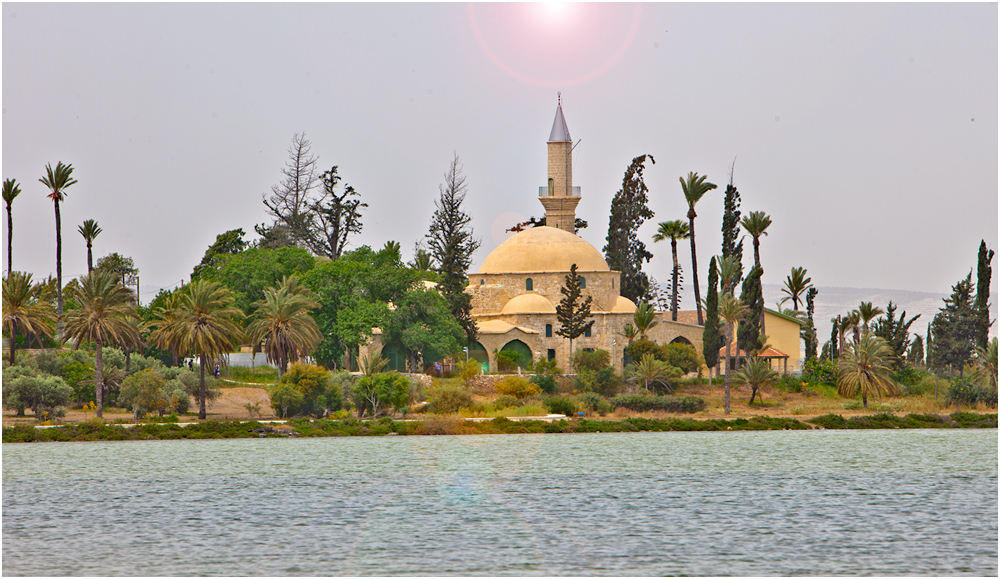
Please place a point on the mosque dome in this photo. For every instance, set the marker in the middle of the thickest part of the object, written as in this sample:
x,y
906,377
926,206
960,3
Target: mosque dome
x,y
543,249
529,304
623,305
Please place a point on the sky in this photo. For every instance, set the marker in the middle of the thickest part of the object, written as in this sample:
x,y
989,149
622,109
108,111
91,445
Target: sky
x,y
868,132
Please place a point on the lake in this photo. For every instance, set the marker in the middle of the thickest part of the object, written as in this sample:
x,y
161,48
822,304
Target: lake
x,y
871,502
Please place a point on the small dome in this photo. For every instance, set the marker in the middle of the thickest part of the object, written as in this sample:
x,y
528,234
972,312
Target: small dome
x,y
543,249
623,304
529,304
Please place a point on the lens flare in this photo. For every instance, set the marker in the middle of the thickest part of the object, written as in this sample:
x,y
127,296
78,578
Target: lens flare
x,y
554,44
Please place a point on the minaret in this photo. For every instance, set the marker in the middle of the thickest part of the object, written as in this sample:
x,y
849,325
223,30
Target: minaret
x,y
560,197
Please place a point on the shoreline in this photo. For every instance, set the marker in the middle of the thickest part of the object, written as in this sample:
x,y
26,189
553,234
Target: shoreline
x,y
94,431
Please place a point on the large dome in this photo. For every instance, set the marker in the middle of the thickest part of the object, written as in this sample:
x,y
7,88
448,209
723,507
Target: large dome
x,y
543,249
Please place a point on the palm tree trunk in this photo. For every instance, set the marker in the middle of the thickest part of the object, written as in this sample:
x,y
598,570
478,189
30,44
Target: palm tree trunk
x,y
694,269
10,243
99,376
59,286
673,300
90,257
13,340
202,413
729,339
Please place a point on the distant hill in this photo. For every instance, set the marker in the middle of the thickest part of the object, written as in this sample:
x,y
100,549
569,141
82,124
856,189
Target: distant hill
x,y
831,301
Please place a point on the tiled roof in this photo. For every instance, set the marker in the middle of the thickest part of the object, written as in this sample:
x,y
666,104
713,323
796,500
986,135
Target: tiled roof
x,y
768,352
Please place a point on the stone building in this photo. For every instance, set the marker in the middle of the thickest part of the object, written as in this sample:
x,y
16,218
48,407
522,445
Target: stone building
x,y
517,288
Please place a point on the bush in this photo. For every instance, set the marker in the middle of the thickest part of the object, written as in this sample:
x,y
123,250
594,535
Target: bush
x,y
644,403
965,391
604,381
285,397
682,356
908,376
819,371
594,403
639,348
545,367
547,383
191,383
517,387
560,405
468,370
24,387
319,396
145,392
382,393
507,361
449,401
592,361
505,401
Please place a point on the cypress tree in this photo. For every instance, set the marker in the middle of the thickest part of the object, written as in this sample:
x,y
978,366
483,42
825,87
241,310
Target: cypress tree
x,y
624,252
732,244
748,335
810,330
984,274
711,336
571,315
929,349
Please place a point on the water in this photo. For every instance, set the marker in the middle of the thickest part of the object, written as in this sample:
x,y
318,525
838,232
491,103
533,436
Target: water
x,y
871,502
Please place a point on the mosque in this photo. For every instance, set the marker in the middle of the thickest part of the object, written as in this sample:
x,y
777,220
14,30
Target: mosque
x,y
515,292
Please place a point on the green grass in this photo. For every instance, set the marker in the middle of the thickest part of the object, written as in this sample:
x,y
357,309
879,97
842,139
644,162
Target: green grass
x,y
256,375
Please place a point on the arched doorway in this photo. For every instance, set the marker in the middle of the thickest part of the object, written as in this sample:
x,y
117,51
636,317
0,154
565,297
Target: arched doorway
x,y
521,350
681,340
478,353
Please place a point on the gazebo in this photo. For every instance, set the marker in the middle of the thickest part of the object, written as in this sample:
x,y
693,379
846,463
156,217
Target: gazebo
x,y
769,353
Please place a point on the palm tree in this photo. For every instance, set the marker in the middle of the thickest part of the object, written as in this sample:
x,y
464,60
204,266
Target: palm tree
x,y
22,309
629,333
652,371
729,271
58,180
673,230
10,191
133,341
868,312
644,318
864,369
731,310
204,324
853,322
283,323
694,188
102,318
90,230
986,358
756,372
795,285
756,224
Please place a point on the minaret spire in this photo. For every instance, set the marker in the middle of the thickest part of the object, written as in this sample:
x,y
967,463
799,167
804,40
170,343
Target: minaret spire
x,y
560,198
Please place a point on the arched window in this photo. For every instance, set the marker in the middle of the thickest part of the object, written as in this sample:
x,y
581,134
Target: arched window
x,y
528,284
548,330
482,281
583,282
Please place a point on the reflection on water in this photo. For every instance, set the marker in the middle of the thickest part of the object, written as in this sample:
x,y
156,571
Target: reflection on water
x,y
765,503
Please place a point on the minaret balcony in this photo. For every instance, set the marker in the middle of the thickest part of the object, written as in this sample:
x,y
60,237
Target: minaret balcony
x,y
544,192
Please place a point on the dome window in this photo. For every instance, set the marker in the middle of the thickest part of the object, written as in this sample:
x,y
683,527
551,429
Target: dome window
x,y
528,284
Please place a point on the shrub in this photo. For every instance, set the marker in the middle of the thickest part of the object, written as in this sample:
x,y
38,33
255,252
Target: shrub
x,y
191,383
381,393
592,361
24,387
285,397
545,367
682,356
449,401
908,376
965,391
819,371
560,405
506,401
639,348
594,403
468,370
507,361
645,403
547,383
75,374
145,392
517,387
180,402
319,396
604,381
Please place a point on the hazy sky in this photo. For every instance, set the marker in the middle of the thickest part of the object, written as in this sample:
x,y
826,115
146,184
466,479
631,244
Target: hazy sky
x,y
867,132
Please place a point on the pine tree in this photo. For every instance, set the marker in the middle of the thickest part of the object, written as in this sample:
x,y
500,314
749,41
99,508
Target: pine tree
x,y
572,315
984,274
896,333
452,244
732,243
748,335
711,336
624,252
954,328
916,354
